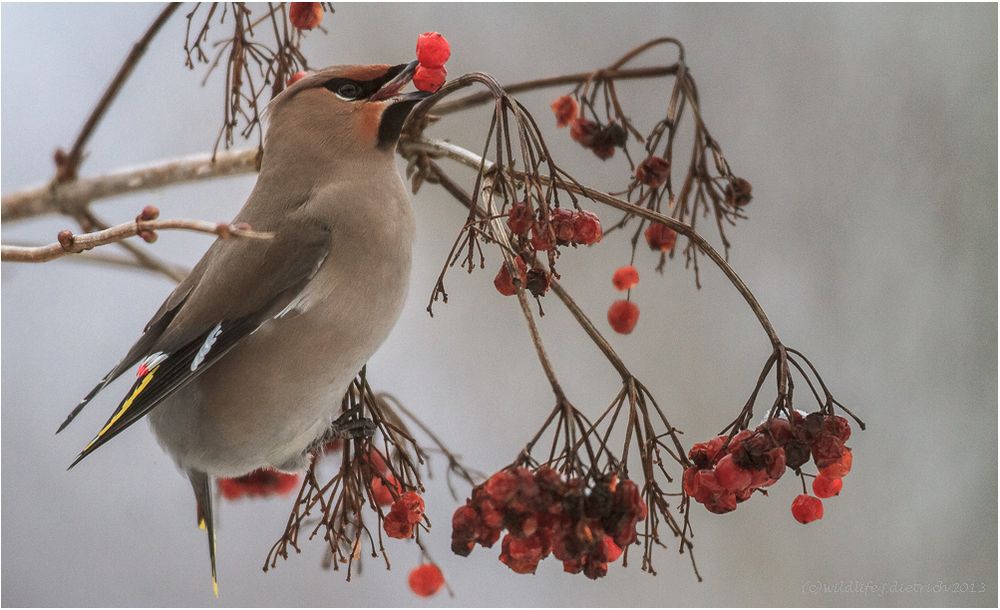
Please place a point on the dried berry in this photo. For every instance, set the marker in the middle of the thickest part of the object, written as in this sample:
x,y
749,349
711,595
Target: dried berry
x,y
429,79
739,192
660,237
807,509
587,228
411,505
583,131
396,525
426,579
827,487
538,282
504,283
653,171
541,239
433,50
622,316
519,218
625,278
305,15
566,110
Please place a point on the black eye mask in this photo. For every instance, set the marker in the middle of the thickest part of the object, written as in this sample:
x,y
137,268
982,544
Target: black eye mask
x,y
361,89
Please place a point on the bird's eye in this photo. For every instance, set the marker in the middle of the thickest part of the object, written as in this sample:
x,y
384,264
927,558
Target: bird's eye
x,y
348,92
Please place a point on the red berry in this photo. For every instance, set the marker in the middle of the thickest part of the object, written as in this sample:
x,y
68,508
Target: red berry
x,y
377,461
382,493
433,50
660,237
262,483
653,171
305,15
563,225
583,131
704,454
519,218
426,579
566,110
502,486
722,503
541,239
397,525
625,278
295,78
827,449
731,476
429,79
622,316
521,554
410,505
504,283
840,468
827,487
837,426
807,509
587,228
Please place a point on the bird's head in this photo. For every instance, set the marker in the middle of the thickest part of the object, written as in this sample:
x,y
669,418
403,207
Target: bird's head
x,y
356,109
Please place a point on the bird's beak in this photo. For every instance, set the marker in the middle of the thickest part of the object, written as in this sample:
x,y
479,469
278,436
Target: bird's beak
x,y
391,89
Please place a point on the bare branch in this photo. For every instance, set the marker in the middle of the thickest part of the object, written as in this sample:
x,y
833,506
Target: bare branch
x,y
70,197
74,244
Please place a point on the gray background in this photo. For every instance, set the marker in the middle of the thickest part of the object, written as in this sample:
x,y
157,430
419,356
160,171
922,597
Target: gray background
x,y
869,133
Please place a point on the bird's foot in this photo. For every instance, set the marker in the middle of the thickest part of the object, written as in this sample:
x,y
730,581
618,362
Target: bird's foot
x,y
351,425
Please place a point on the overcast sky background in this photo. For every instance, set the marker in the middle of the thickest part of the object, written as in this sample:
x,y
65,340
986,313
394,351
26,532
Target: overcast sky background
x,y
870,136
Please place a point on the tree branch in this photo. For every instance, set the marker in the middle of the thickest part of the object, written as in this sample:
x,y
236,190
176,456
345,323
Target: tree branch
x,y
74,244
71,197
68,163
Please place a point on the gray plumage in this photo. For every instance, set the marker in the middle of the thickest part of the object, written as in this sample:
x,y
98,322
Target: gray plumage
x,y
246,362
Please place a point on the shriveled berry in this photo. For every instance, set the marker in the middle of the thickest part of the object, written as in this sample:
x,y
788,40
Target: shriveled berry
x,y
653,171
587,228
464,523
704,454
426,579
622,316
502,486
603,151
397,525
305,15
739,192
807,509
503,281
841,467
827,449
429,79
625,278
521,554
541,239
837,426
519,218
411,505
538,282
731,476
563,225
583,131
660,237
566,110
827,487
722,503
433,50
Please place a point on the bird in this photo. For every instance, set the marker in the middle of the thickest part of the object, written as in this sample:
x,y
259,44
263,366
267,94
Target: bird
x,y
245,363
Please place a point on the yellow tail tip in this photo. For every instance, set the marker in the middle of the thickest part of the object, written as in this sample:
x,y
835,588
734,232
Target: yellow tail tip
x,y
215,587
201,524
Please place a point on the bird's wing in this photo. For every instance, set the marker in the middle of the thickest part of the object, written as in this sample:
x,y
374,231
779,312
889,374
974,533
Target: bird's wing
x,y
242,285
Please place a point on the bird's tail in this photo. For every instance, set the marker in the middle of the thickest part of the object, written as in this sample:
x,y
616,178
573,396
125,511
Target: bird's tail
x,y
202,485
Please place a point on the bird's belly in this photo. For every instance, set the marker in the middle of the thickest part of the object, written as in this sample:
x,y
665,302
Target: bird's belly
x,y
265,402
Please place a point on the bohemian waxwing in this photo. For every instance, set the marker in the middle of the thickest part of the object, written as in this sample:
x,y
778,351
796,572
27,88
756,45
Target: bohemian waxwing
x,y
245,363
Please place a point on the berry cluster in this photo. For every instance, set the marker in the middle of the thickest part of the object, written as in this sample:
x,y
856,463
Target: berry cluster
x,y
433,52
260,483
406,512
305,15
426,579
585,527
600,139
725,474
536,234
